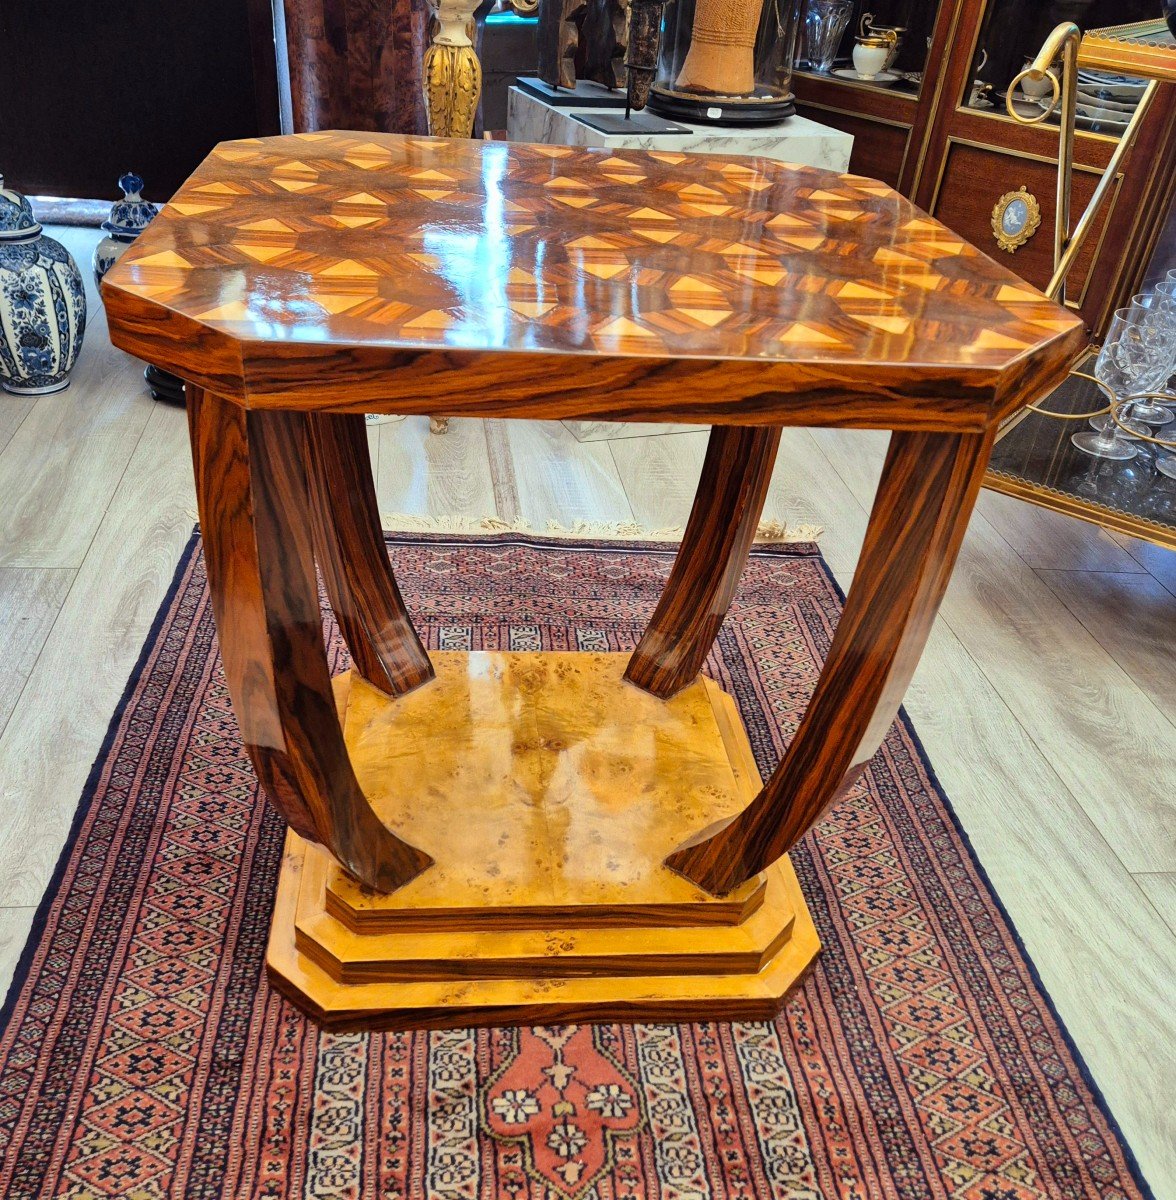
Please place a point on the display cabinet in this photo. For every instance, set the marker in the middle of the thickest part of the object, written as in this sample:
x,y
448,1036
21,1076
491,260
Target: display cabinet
x,y
1036,461
1035,457
939,132
889,117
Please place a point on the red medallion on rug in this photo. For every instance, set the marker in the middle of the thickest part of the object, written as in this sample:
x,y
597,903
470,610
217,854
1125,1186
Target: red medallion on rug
x,y
567,1104
143,1054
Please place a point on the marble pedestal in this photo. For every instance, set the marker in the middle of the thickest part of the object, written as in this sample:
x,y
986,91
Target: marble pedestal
x,y
796,140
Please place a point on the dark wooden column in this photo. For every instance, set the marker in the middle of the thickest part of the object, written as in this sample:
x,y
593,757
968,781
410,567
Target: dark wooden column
x,y
251,486
356,64
718,537
349,547
928,487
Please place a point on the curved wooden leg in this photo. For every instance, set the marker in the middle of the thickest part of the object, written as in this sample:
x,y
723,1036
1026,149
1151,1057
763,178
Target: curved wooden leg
x,y
251,486
705,576
349,547
928,487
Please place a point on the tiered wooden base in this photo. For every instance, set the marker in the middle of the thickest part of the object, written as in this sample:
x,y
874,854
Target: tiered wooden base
x,y
548,791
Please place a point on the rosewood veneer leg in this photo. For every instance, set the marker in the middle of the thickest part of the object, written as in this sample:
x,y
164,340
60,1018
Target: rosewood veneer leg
x,y
349,546
928,487
252,490
715,545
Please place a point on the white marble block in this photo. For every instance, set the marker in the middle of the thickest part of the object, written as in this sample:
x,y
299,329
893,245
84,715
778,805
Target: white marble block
x,y
796,140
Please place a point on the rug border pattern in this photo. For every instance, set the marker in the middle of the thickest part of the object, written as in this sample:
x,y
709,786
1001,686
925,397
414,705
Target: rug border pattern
x,y
535,540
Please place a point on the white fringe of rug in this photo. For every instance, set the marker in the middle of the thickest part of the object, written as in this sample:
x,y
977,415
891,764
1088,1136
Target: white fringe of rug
x,y
617,531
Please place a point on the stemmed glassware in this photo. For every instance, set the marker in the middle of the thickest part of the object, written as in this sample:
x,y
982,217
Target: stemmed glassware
x,y
1164,299
1135,368
1144,353
1133,359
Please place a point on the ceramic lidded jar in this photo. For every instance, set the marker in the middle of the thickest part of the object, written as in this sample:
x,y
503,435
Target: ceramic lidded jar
x,y
42,303
128,218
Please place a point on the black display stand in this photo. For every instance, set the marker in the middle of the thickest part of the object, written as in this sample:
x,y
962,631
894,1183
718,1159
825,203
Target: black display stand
x,y
585,94
613,124
165,387
722,110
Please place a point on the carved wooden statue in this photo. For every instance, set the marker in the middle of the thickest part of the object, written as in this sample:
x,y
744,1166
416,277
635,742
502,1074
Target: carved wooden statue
x,y
583,39
641,61
601,56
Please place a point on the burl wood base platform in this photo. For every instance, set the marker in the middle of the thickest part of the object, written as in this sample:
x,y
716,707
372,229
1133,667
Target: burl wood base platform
x,y
548,790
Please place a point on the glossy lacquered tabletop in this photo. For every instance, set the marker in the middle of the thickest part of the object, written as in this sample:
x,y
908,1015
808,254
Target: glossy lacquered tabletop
x,y
369,252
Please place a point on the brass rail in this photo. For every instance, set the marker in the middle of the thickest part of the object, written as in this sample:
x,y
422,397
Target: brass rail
x,y
1063,43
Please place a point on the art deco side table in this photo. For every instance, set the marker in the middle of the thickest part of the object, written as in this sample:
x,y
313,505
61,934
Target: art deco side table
x,y
532,837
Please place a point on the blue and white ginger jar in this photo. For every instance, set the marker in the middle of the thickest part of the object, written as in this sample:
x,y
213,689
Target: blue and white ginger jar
x,y
42,303
128,218
16,213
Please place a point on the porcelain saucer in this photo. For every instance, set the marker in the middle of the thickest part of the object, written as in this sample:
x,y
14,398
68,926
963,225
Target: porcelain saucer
x,y
883,78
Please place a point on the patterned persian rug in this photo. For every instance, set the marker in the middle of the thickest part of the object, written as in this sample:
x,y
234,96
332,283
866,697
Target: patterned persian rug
x,y
143,1054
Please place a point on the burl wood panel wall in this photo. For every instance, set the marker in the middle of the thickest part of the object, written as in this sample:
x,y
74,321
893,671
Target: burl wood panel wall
x,y
356,64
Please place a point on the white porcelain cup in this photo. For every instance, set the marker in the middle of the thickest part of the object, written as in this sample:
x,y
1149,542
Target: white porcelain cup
x,y
1035,89
869,60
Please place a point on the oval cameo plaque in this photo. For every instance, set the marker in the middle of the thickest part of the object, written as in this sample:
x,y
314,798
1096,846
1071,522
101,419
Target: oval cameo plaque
x,y
1015,219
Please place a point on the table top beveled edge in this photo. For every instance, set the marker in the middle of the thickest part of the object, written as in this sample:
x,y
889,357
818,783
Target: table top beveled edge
x,y
635,388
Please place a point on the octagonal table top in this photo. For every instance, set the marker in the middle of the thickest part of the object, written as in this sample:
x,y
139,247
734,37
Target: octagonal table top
x,y
359,270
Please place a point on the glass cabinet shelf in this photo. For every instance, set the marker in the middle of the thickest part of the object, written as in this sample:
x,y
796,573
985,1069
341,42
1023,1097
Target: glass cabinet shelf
x,y
1012,32
901,87
1035,460
912,20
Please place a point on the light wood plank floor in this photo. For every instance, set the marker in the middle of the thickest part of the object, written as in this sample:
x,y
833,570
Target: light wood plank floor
x,y
1046,699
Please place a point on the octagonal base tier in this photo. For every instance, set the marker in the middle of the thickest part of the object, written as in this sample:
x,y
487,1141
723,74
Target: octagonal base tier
x,y
548,791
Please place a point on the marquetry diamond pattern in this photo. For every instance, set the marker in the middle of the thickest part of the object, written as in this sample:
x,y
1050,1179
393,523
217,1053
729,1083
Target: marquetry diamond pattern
x,y
354,239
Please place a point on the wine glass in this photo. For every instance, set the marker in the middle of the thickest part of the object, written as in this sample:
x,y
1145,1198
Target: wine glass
x,y
1164,297
1155,315
1104,443
1145,351
1138,356
1126,357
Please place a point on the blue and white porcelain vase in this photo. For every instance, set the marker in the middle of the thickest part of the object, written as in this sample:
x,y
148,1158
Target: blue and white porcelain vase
x,y
128,218
42,303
